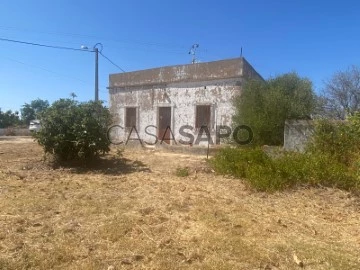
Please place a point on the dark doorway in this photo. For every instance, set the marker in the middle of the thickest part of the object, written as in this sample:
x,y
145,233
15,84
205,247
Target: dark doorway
x,y
164,124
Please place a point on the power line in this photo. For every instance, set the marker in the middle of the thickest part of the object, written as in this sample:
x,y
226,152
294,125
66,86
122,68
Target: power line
x,y
111,61
43,45
53,72
47,70
163,45
58,47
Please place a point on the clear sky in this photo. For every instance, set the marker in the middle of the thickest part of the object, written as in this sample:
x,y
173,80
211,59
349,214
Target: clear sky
x,y
314,38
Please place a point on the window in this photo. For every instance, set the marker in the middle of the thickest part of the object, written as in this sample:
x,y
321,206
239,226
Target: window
x,y
203,116
130,117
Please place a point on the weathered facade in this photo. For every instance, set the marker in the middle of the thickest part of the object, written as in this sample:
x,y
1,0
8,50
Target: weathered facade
x,y
181,104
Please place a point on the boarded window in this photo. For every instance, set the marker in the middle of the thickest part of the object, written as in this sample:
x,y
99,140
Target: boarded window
x,y
203,116
130,115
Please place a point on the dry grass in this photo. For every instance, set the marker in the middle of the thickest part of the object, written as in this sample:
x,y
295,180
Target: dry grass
x,y
133,212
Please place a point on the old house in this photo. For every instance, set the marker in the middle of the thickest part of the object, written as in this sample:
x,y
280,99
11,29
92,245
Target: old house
x,y
183,104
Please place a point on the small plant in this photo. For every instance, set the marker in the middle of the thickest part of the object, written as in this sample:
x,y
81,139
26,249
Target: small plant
x,y
182,172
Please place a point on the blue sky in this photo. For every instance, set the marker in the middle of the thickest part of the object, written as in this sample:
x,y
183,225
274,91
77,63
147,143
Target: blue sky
x,y
313,38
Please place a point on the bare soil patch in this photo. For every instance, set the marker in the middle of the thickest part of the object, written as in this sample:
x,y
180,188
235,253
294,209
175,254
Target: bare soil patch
x,y
131,211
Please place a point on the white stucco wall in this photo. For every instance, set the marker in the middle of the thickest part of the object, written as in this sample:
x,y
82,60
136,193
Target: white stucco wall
x,y
183,99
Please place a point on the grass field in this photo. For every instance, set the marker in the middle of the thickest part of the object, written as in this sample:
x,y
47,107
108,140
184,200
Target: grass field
x,y
135,211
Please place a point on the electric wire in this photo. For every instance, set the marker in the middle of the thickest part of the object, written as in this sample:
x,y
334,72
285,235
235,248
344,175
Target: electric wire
x,y
158,44
50,71
59,47
43,45
45,69
111,62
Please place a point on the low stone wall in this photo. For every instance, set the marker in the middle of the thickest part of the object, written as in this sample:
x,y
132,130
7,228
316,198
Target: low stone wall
x,y
297,134
14,132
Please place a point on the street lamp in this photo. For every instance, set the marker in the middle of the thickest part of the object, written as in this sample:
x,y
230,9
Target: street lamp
x,y
96,51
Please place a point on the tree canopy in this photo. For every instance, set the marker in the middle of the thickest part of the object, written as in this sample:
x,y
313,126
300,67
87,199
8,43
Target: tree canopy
x,y
32,111
265,105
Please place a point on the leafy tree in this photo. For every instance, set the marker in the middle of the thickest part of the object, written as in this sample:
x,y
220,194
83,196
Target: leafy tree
x,y
341,95
9,118
265,105
32,111
74,131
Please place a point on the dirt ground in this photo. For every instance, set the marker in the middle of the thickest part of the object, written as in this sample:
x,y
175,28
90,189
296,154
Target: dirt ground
x,y
133,212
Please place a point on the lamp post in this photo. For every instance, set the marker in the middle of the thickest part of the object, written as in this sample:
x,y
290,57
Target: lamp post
x,y
96,51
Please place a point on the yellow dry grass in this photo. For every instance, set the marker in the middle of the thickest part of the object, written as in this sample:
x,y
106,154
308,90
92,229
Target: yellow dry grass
x,y
133,212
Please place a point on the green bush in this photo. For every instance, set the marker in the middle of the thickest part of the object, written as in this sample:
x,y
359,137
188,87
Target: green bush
x,y
182,172
332,159
236,161
74,131
339,139
286,171
265,105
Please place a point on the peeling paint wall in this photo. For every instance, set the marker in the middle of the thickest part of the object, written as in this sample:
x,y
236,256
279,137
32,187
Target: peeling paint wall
x,y
182,100
182,88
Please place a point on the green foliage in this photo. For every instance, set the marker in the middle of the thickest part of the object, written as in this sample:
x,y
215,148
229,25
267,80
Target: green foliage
x,y
289,170
237,161
74,131
339,139
9,119
332,158
265,105
32,111
182,172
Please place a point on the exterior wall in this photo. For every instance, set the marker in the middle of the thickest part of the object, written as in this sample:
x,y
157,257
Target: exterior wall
x,y
183,99
199,72
182,88
297,134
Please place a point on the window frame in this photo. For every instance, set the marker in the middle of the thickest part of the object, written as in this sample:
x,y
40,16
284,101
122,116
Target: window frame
x,y
197,116
127,120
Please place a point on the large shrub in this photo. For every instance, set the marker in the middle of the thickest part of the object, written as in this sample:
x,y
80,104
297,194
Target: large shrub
x,y
265,105
74,131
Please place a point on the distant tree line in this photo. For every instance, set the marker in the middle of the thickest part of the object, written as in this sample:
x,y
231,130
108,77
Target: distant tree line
x,y
9,118
29,111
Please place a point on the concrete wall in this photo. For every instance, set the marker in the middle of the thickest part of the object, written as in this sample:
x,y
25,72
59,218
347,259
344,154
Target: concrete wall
x,y
199,72
183,99
297,134
181,87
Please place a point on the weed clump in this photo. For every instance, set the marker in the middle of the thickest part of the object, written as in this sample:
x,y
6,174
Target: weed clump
x,y
182,172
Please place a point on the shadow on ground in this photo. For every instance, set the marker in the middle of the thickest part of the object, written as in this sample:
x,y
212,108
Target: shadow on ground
x,y
112,166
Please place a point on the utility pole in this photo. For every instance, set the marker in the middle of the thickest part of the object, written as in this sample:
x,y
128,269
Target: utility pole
x,y
96,50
